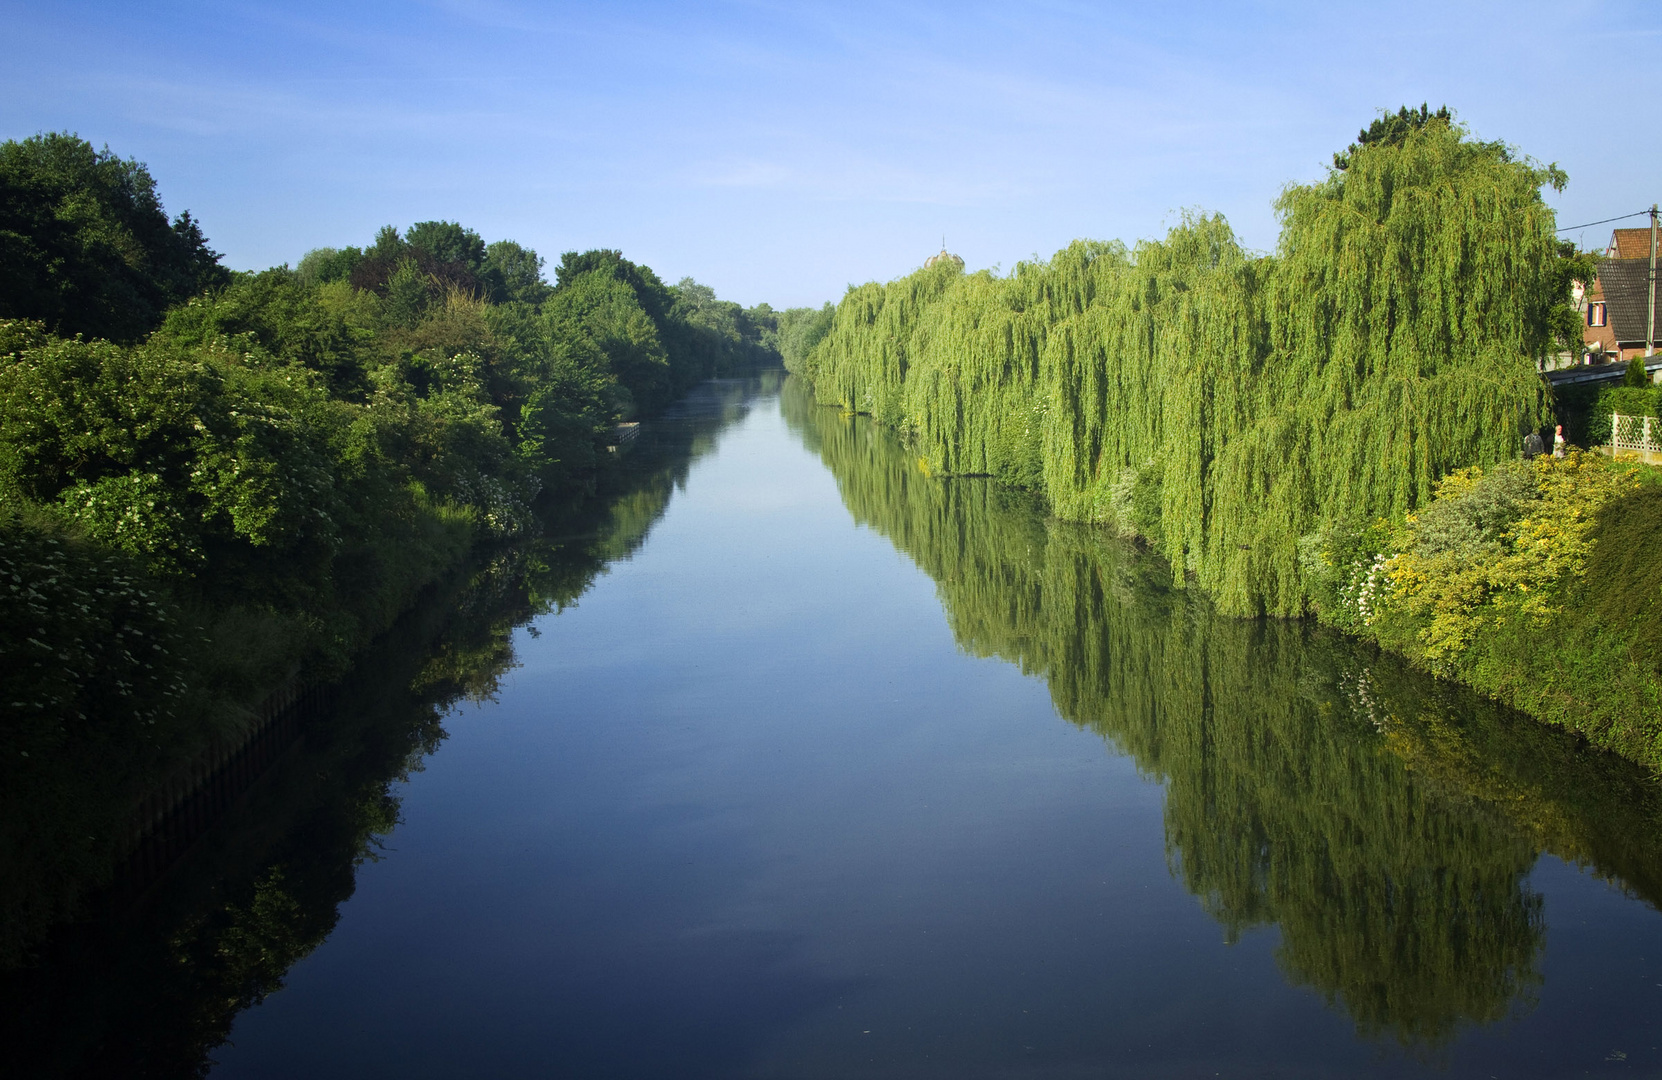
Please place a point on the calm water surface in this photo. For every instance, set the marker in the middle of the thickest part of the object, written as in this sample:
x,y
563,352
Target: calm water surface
x,y
850,772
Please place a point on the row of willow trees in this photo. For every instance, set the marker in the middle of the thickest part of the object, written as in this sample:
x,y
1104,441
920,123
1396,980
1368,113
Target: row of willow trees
x,y
1224,404
1385,822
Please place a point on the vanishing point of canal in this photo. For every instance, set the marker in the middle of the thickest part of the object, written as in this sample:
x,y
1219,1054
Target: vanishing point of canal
x,y
839,770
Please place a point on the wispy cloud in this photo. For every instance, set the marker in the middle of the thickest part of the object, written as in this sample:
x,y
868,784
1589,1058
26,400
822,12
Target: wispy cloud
x,y
724,131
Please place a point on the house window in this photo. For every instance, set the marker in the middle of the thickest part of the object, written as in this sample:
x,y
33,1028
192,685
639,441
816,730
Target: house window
x,y
1595,314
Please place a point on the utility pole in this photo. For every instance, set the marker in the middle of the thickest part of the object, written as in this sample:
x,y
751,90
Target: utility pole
x,y
1650,312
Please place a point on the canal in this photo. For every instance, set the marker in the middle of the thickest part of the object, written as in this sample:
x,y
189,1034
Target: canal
x,y
798,762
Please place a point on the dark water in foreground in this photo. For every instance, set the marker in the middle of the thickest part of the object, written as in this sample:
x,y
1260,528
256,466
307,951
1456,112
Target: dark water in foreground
x,y
843,771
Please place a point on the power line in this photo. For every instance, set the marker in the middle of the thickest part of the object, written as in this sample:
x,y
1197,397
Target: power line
x,y
1606,221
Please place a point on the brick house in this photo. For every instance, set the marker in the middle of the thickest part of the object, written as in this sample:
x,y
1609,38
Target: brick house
x,y
1615,309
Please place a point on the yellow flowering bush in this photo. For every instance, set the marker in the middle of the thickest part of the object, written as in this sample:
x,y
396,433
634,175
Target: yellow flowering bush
x,y
1495,545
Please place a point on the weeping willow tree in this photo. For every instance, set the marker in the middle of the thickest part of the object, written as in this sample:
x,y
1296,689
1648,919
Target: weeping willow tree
x,y
1386,823
1223,405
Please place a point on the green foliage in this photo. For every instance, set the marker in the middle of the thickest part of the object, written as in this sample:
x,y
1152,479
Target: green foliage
x,y
1384,822
85,246
657,340
1529,581
602,309
1496,547
711,337
1629,399
1566,323
289,318
1346,569
447,244
1626,591
307,449
1393,130
435,256
163,455
1391,339
800,329
323,265
516,272
264,483
1635,374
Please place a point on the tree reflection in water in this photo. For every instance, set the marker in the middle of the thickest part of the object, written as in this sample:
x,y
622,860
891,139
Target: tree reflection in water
x,y
1384,822
149,988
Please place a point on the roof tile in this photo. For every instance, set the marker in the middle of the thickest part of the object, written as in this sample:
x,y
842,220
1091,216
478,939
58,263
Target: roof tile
x,y
1630,243
1625,283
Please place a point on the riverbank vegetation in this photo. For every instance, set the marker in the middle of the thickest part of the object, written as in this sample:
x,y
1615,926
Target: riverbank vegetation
x,y
213,482
150,990
1528,580
1233,409
1384,821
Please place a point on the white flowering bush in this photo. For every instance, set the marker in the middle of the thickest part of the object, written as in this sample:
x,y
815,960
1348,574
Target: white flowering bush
x,y
136,513
1348,571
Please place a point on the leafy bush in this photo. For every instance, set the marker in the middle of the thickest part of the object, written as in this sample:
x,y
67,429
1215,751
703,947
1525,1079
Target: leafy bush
x,y
1347,571
1625,399
1500,546
1532,582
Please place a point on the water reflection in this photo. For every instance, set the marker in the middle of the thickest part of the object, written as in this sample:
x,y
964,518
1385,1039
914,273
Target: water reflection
x,y
1385,823
147,987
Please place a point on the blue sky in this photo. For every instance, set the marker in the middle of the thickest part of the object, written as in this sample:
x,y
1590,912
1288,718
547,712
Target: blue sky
x,y
780,151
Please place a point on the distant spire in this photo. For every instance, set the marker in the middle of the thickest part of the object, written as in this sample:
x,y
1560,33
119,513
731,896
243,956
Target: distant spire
x,y
944,256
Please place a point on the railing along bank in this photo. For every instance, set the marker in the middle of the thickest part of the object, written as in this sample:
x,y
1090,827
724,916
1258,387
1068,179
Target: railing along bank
x,y
170,817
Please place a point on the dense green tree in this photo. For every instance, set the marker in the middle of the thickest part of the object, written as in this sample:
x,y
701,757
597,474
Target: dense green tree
x,y
799,330
417,268
85,246
600,307
291,317
712,336
1390,129
516,272
653,296
327,264
447,244
1221,404
162,454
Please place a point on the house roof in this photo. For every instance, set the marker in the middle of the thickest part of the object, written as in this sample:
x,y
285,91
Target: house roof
x,y
1626,287
1630,243
1597,373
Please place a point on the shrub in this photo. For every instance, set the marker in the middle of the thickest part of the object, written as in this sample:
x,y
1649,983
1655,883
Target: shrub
x,y
1626,399
1499,545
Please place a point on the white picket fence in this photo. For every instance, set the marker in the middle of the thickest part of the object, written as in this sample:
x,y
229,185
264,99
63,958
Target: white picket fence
x,y
1640,435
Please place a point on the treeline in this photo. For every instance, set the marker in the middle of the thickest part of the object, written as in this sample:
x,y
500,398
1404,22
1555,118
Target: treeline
x,y
209,480
1385,822
1250,416
221,930
1223,404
